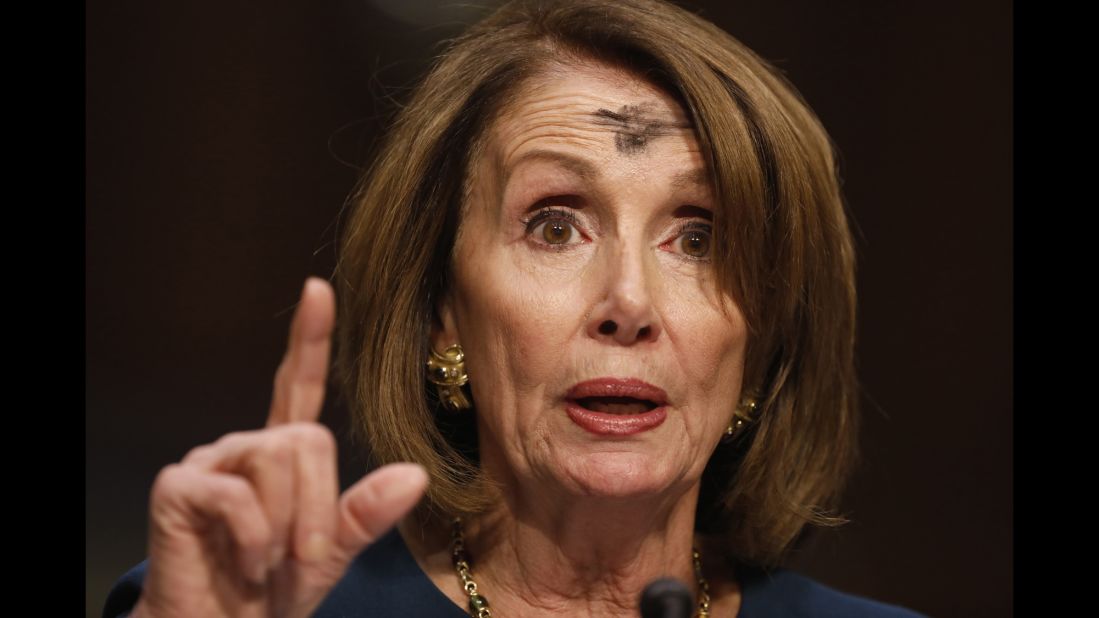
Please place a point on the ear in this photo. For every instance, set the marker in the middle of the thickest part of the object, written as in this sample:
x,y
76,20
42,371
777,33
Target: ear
x,y
444,324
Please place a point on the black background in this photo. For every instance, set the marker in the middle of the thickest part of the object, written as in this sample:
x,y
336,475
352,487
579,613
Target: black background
x,y
222,139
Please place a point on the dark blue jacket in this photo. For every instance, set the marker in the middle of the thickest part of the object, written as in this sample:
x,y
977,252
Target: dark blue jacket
x,y
384,580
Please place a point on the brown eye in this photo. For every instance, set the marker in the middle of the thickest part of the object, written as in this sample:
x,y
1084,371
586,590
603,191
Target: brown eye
x,y
556,227
696,243
556,232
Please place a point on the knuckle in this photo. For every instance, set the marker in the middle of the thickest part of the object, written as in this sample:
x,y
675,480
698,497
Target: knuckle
x,y
233,492
314,437
231,439
170,479
199,453
171,486
275,448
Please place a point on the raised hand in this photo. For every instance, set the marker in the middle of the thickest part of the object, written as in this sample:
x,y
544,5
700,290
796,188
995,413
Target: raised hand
x,y
253,524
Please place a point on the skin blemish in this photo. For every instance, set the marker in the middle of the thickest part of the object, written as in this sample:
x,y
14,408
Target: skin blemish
x,y
633,127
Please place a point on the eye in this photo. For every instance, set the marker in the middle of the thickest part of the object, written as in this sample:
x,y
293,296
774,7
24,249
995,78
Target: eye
x,y
553,227
695,240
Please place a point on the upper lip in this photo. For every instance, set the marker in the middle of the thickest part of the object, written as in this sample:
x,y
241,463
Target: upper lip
x,y
618,387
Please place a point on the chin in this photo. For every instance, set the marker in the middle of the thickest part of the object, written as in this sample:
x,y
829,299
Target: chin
x,y
618,475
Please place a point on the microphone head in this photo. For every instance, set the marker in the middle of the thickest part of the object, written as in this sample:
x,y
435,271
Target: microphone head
x,y
666,598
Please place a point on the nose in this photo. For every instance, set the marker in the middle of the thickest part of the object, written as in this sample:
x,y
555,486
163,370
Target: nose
x,y
625,313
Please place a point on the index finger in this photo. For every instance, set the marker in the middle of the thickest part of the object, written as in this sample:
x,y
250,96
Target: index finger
x,y
300,378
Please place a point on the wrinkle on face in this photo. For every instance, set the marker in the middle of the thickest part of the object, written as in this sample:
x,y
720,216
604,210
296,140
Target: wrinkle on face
x,y
584,119
634,127
523,311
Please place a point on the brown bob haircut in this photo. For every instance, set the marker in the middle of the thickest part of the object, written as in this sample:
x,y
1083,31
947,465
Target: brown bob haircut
x,y
783,250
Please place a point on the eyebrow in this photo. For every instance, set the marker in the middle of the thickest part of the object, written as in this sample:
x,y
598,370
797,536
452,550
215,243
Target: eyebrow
x,y
577,165
589,172
697,176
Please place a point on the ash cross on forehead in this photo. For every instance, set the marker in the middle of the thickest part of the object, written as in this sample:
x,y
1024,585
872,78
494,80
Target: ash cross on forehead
x,y
633,127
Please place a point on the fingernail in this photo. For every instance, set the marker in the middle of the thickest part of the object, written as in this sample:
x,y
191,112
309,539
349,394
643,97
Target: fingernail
x,y
316,548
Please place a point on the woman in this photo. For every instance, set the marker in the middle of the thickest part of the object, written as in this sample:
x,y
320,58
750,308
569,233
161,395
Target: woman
x,y
599,287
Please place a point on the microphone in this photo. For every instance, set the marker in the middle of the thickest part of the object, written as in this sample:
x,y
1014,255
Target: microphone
x,y
666,598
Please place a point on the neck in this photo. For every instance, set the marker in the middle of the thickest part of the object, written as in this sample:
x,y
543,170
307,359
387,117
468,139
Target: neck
x,y
544,554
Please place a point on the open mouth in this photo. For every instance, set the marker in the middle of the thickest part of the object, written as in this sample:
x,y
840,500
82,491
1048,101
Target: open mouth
x,y
616,405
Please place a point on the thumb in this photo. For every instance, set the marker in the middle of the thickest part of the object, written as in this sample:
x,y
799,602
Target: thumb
x,y
374,505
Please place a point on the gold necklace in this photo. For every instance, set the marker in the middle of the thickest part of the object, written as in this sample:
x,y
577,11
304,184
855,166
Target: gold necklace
x,y
478,604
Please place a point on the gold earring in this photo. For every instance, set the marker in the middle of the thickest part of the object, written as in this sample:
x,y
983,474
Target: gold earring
x,y
743,415
448,373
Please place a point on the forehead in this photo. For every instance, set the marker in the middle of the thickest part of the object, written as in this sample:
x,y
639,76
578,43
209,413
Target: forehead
x,y
600,111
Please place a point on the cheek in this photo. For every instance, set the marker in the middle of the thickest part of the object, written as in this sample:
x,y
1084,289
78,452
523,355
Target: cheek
x,y
515,324
709,346
716,348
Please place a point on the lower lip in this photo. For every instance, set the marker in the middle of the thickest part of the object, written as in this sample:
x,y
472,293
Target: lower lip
x,y
603,424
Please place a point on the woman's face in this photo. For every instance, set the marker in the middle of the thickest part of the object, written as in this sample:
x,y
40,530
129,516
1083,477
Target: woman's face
x,y
599,356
